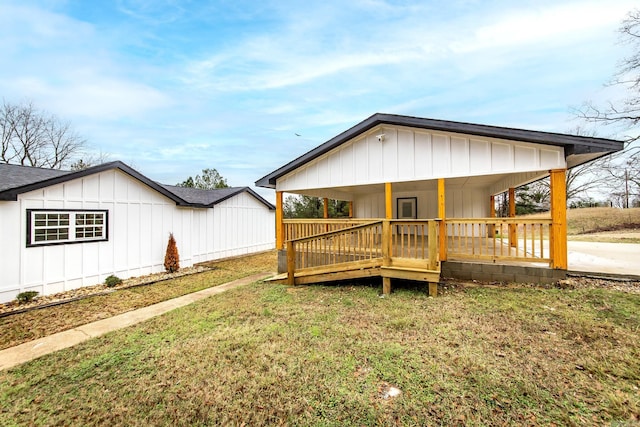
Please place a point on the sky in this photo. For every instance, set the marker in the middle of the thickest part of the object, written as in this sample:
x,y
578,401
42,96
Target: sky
x,y
172,87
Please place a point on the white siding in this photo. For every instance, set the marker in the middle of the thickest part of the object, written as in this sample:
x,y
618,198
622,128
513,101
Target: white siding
x,y
459,203
140,220
408,154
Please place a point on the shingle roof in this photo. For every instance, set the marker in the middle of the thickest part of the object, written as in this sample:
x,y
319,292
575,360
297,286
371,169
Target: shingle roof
x,y
208,198
15,180
573,144
13,176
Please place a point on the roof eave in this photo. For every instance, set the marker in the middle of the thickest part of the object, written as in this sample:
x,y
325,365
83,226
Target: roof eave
x,y
571,143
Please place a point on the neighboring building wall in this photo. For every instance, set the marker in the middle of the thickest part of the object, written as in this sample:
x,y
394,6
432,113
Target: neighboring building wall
x,y
241,225
140,220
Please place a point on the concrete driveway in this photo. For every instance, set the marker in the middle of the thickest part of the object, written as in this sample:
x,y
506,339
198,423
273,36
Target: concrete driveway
x,y
616,258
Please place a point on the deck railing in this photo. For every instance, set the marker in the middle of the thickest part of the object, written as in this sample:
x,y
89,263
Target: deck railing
x,y
300,228
357,243
390,243
518,239
322,245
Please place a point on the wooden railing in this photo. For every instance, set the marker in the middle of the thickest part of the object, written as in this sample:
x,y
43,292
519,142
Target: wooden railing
x,y
411,244
390,243
520,239
300,228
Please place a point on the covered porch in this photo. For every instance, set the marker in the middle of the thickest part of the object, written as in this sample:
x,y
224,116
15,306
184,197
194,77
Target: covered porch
x,y
421,193
337,249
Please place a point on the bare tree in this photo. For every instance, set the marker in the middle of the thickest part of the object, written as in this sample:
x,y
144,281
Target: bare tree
x,y
623,169
35,138
624,112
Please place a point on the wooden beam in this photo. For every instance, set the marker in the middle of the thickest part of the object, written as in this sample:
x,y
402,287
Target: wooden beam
x,y
432,245
492,206
279,221
386,285
291,263
405,274
325,208
559,219
491,229
351,209
433,289
386,242
513,236
388,201
442,215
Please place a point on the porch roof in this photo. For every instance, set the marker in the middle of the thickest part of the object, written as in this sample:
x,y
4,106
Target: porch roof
x,y
577,149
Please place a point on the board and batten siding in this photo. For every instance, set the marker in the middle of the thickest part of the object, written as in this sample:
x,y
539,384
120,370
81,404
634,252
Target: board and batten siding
x,y
459,203
139,222
407,154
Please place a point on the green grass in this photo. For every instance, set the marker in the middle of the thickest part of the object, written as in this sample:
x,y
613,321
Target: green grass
x,y
24,327
272,355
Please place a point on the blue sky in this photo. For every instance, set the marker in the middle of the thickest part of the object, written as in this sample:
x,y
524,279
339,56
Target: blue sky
x,y
172,87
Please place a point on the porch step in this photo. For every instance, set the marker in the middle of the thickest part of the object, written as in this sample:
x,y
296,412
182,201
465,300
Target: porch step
x,y
408,273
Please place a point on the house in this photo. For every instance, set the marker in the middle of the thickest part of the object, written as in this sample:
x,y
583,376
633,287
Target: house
x,y
61,230
421,194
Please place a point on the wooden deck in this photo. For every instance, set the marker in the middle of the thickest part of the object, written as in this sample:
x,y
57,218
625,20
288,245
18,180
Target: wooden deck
x,y
337,250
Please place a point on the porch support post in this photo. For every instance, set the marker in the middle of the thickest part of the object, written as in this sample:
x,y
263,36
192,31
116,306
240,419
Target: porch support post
x,y
386,255
513,238
325,208
441,214
558,241
291,263
388,201
492,213
279,222
351,209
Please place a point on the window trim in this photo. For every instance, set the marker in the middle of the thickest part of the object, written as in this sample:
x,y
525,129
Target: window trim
x,y
72,218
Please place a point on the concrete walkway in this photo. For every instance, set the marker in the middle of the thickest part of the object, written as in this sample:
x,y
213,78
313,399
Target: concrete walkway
x,y
22,353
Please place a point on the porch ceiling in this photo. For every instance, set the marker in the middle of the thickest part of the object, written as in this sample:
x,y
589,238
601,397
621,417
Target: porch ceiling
x,y
485,182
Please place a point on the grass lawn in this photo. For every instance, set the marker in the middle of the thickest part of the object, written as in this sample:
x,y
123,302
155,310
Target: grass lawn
x,y
593,220
20,328
327,355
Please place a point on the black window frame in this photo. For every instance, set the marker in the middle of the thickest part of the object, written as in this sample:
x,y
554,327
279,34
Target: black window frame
x,y
71,237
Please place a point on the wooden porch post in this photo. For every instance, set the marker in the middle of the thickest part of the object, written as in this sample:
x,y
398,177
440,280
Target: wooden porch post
x,y
388,201
492,213
513,238
442,216
291,263
325,208
559,219
386,235
279,223
386,255
351,209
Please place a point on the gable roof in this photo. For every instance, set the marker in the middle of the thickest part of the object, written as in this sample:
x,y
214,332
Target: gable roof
x,y
572,144
209,198
16,179
14,176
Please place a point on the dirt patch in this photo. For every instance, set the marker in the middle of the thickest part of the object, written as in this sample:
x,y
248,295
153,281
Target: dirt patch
x,y
575,282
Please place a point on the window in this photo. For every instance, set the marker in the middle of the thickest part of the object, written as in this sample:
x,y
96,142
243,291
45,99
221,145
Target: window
x,y
47,227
